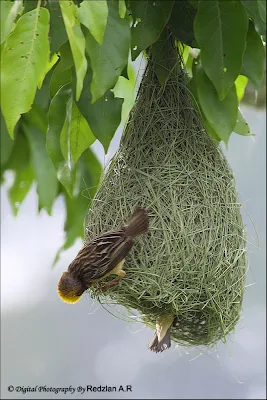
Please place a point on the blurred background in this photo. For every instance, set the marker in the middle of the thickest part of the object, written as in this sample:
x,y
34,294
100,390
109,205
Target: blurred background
x,y
47,342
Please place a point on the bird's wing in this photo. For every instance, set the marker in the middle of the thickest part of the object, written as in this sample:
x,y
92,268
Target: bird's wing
x,y
100,256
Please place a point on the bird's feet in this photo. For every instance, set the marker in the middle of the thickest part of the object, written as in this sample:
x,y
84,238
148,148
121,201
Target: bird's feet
x,y
103,286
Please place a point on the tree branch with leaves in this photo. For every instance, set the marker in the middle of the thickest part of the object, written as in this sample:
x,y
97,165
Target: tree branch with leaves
x,y
67,77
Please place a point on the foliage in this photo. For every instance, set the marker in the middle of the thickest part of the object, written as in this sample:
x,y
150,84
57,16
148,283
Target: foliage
x,y
65,77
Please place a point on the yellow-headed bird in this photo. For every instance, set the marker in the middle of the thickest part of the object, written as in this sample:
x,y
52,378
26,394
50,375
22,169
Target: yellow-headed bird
x,y
162,337
101,257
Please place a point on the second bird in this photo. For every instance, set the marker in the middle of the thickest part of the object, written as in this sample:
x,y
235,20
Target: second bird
x,y
101,257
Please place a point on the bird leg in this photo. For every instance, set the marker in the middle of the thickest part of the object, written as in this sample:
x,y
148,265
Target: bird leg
x,y
103,286
117,270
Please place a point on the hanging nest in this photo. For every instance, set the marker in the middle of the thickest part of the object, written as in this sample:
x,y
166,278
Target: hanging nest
x,y
192,262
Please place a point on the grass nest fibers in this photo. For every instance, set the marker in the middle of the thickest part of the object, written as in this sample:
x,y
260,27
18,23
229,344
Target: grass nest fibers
x,y
192,262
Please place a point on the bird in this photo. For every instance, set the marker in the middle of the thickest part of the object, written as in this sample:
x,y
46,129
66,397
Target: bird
x,y
101,257
162,337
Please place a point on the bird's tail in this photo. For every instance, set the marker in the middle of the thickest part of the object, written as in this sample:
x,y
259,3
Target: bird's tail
x,y
164,344
138,223
162,337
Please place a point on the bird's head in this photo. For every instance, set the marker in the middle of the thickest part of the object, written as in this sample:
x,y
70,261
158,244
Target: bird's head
x,y
70,289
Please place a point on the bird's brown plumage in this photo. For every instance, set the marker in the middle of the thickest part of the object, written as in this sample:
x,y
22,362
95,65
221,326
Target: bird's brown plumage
x,y
101,256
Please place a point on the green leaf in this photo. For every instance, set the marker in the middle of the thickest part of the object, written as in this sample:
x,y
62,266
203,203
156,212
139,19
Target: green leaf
x,y
77,41
163,57
210,130
62,73
48,70
150,18
76,210
47,184
122,8
103,116
181,21
81,137
124,73
88,172
65,133
184,50
20,155
125,88
9,12
56,119
24,61
76,135
254,57
240,86
52,62
241,126
91,171
222,114
193,3
87,179
262,9
109,59
30,5
42,98
189,64
220,30
61,76
94,14
19,162
6,143
22,183
252,9
195,100
57,33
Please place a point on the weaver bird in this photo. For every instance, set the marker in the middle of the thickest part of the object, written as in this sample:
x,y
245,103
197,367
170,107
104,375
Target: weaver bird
x,y
162,336
101,257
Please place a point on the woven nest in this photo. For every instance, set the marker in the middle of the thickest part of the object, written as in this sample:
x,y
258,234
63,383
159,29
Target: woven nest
x,y
192,262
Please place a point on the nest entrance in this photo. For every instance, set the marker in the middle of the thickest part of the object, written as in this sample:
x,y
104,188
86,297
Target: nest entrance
x,y
192,262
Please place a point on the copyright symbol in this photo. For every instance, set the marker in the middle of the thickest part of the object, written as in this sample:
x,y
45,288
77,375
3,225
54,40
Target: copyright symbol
x,y
79,389
10,388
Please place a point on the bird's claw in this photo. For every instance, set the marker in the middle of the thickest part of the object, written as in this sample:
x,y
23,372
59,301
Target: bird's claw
x,y
103,286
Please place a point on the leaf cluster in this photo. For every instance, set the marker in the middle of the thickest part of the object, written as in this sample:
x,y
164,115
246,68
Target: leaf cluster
x,y
67,80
